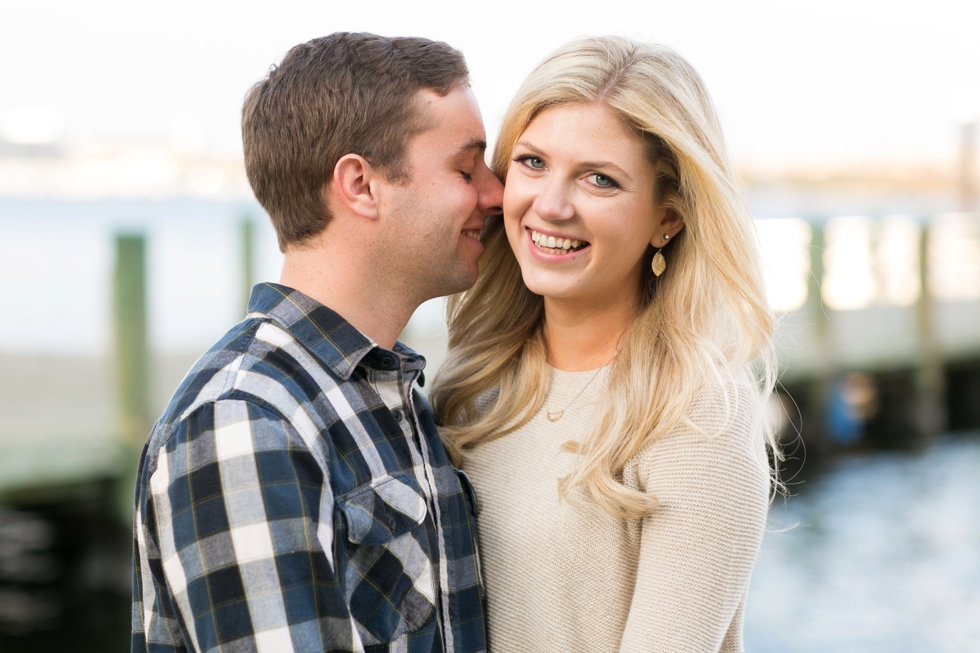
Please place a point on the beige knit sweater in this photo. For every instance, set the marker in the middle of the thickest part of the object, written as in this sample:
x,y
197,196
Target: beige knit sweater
x,y
567,577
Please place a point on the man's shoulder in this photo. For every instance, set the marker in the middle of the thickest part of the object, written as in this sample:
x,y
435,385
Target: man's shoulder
x,y
257,373
213,374
257,362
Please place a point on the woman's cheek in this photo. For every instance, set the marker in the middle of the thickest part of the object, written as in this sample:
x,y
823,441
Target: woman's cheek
x,y
512,221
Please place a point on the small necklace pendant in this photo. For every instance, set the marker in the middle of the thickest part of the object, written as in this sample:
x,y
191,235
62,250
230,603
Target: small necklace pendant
x,y
554,417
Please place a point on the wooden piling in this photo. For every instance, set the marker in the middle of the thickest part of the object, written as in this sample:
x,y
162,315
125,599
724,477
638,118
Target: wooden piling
x,y
248,259
814,429
929,374
132,361
968,174
131,353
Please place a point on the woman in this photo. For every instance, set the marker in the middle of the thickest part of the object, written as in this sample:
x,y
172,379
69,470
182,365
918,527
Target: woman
x,y
605,375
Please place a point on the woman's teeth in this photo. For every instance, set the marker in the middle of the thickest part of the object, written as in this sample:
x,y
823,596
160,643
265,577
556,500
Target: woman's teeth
x,y
554,245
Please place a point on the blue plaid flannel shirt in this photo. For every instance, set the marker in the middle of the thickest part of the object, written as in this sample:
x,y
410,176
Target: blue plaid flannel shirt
x,y
295,497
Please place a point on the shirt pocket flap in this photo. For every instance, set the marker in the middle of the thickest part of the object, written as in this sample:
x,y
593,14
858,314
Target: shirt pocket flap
x,y
388,507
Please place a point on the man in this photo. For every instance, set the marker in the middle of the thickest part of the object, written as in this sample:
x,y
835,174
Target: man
x,y
295,496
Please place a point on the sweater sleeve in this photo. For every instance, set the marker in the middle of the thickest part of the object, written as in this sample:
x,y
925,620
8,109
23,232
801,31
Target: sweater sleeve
x,y
698,547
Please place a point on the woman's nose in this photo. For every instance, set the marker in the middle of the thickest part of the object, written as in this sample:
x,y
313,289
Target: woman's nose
x,y
553,202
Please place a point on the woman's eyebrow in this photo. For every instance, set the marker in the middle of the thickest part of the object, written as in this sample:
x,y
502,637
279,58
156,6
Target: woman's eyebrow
x,y
529,146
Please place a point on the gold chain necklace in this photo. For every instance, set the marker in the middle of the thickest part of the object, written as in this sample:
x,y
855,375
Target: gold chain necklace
x,y
554,417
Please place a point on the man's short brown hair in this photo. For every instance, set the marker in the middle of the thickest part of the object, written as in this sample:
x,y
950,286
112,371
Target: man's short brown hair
x,y
335,95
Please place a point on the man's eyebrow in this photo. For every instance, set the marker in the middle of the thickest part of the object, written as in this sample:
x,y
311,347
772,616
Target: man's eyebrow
x,y
475,144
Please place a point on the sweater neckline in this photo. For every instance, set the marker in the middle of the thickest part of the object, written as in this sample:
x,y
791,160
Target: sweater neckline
x,y
564,385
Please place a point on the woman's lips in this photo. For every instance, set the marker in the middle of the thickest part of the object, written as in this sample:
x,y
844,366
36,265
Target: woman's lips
x,y
555,245
539,245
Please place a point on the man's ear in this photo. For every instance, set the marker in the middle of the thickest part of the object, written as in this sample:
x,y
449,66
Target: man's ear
x,y
670,225
353,186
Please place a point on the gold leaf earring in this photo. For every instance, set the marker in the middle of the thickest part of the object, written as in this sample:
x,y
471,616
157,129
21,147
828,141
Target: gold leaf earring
x,y
659,263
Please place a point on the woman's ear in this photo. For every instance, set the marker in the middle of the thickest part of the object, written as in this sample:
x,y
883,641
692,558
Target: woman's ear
x,y
352,187
670,225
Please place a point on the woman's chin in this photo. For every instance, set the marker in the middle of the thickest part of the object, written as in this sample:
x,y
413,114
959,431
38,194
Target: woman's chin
x,y
557,292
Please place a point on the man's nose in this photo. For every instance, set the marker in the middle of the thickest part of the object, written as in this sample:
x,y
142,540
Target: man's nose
x,y
491,193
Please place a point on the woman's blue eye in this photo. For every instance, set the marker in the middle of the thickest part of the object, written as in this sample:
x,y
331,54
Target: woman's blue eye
x,y
531,161
602,181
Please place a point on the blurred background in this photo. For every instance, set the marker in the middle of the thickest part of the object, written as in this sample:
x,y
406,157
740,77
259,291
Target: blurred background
x,y
129,239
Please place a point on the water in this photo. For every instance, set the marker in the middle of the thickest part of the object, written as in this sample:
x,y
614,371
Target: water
x,y
56,261
879,554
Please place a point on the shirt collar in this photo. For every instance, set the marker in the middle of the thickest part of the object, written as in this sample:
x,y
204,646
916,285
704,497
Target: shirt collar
x,y
326,334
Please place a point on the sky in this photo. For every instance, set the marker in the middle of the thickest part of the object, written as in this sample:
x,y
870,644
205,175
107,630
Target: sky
x,y
796,83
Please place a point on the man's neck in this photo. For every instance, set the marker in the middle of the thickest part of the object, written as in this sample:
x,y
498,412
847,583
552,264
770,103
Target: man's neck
x,y
342,280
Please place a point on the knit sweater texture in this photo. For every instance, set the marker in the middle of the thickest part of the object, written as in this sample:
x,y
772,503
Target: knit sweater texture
x,y
564,576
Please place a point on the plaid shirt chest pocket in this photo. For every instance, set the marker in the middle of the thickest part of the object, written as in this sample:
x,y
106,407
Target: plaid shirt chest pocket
x,y
389,579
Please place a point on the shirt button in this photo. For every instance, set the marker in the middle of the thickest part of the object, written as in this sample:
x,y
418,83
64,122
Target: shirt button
x,y
391,522
397,415
387,362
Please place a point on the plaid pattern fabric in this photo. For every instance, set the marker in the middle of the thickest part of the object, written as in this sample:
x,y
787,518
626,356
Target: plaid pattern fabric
x,y
295,497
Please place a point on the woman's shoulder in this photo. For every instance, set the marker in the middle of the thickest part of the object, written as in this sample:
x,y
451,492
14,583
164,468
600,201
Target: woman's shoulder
x,y
720,435
732,406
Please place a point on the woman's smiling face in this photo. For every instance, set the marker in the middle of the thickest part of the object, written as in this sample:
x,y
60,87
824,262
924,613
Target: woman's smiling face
x,y
580,206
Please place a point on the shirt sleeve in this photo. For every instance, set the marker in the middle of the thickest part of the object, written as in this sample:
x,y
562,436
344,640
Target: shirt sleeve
x,y
242,517
698,547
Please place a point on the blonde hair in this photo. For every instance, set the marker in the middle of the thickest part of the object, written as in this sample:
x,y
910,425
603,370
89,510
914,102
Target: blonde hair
x,y
703,322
